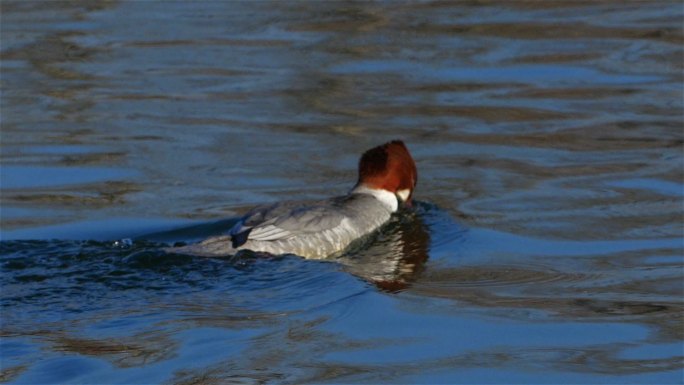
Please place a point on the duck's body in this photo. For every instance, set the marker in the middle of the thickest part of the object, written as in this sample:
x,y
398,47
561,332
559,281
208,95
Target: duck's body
x,y
318,229
309,229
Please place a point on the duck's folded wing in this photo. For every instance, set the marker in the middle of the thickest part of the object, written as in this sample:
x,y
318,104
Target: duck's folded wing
x,y
272,223
267,233
278,222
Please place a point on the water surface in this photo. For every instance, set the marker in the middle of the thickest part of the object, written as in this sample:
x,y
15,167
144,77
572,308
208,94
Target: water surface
x,y
546,245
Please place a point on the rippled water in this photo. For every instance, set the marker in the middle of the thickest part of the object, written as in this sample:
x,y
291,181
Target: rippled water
x,y
546,247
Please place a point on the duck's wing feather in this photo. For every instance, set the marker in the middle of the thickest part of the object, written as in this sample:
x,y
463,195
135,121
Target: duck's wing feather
x,y
285,220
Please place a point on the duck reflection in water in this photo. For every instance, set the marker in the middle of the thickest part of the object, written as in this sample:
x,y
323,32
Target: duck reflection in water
x,y
394,256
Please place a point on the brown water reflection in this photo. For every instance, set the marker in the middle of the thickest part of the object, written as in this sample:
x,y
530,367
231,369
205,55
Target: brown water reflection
x,y
393,258
551,130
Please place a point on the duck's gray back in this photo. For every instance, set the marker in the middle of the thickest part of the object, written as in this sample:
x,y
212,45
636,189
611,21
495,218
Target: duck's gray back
x,y
312,230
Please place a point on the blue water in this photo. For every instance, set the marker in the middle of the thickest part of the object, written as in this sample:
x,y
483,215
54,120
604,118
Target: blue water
x,y
545,245
545,75
14,177
127,312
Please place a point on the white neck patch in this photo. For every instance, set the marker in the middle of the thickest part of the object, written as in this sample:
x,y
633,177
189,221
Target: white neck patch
x,y
385,197
404,194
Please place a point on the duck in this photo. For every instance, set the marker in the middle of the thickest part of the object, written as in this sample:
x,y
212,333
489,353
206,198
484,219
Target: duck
x,y
387,178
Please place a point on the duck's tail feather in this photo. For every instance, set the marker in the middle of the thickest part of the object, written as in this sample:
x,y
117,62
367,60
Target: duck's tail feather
x,y
220,246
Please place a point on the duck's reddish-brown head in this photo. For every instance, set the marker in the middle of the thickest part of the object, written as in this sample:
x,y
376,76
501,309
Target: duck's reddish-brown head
x,y
389,167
